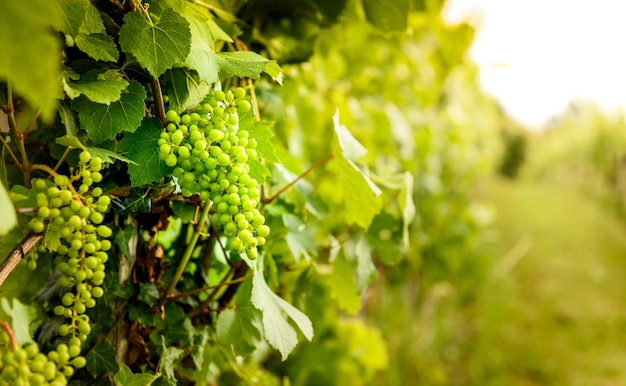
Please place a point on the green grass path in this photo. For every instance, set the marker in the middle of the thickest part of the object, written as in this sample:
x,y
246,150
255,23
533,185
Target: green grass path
x,y
553,312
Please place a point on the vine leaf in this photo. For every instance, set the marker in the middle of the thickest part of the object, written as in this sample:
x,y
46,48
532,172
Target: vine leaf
x,y
101,359
157,46
278,332
85,28
32,65
104,122
344,285
101,87
240,328
387,15
7,212
125,377
106,155
247,64
169,355
21,317
204,32
185,89
361,195
142,147
299,238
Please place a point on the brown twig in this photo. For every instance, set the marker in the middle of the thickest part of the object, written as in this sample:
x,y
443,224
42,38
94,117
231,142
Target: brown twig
x,y
271,199
5,326
222,284
157,93
8,265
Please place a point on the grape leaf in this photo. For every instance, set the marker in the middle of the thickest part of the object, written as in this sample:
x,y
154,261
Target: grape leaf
x,y
122,239
361,196
7,212
31,52
125,377
278,332
157,46
142,147
169,355
99,86
85,28
148,293
360,250
104,122
101,359
343,285
185,89
387,15
204,32
106,155
240,328
262,133
247,64
299,237
258,171
21,317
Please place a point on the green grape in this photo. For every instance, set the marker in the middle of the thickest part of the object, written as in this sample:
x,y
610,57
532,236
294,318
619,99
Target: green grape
x,y
171,160
84,157
172,116
239,92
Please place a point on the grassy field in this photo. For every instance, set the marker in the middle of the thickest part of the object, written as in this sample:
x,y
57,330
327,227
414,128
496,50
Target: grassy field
x,y
553,310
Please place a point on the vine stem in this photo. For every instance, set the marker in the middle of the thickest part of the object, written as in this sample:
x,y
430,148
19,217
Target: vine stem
x,y
16,255
223,284
19,137
271,199
5,326
157,92
185,259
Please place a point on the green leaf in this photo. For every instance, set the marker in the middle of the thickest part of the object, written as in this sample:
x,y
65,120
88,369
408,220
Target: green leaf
x,y
122,239
106,155
31,52
184,89
142,147
278,332
204,32
85,28
387,15
7,212
359,250
21,317
136,202
125,377
343,285
101,359
262,133
247,64
381,237
299,237
258,171
181,332
104,122
157,46
149,293
361,195
169,355
99,86
240,328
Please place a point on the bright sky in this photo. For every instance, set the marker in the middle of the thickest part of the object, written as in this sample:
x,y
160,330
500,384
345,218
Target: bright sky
x,y
537,55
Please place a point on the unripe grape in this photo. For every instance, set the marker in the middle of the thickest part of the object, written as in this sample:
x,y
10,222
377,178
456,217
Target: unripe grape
x,y
171,160
185,119
239,92
172,116
84,157
177,137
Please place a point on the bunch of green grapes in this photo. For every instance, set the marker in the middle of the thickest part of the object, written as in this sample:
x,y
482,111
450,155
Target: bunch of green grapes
x,y
70,212
210,152
25,365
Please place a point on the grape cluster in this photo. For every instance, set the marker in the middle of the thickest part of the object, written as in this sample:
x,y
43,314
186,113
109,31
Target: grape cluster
x,y
25,365
71,211
210,154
